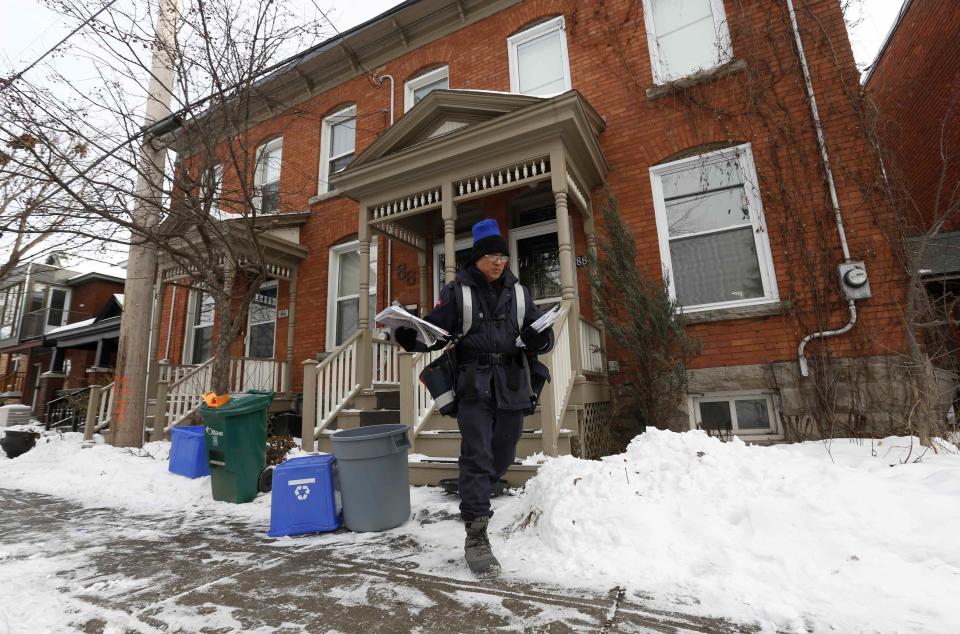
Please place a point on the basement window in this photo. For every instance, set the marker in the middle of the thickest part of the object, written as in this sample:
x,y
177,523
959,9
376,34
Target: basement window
x,y
728,414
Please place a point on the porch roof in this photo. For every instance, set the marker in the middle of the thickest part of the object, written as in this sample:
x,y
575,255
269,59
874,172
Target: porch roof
x,y
456,135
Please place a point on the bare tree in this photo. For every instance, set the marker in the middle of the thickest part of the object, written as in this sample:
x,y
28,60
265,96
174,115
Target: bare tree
x,y
208,219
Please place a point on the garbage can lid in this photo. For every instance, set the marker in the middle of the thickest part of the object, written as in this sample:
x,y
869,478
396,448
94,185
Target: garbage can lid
x,y
241,404
369,432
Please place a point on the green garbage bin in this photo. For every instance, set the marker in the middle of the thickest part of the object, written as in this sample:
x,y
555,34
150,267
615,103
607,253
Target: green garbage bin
x,y
236,438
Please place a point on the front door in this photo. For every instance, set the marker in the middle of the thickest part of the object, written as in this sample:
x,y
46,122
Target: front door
x,y
535,260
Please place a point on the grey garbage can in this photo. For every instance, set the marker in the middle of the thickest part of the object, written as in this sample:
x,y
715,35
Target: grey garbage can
x,y
374,483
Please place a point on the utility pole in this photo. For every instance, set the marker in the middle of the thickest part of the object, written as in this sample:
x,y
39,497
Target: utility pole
x,y
133,354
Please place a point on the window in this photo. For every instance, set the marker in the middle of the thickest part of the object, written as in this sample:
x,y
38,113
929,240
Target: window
x,y
462,248
211,186
343,296
538,60
419,87
200,335
535,260
266,179
338,139
9,310
262,322
685,36
738,413
713,241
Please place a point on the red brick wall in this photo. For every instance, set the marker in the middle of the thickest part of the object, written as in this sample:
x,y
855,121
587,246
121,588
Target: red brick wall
x,y
914,85
765,104
89,298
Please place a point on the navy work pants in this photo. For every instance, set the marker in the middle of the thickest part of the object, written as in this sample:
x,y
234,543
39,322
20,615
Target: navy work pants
x,y
489,445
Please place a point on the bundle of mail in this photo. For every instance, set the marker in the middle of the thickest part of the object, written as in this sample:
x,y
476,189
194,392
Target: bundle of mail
x,y
394,316
546,321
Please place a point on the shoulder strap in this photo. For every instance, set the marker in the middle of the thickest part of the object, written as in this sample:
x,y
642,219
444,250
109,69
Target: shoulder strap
x,y
465,298
521,305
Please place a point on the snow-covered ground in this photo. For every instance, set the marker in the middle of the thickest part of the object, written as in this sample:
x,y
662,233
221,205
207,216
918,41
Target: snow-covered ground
x,y
845,536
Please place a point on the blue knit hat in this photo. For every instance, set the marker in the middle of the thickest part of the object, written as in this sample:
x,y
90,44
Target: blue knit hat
x,y
487,239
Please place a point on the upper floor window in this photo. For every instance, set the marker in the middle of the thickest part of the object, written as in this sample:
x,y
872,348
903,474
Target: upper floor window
x,y
199,338
211,186
419,87
685,36
538,60
266,179
713,239
9,310
338,141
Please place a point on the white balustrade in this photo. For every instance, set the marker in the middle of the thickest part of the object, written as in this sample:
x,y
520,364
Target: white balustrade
x,y
386,364
185,393
556,393
422,401
591,347
105,407
256,374
336,381
520,172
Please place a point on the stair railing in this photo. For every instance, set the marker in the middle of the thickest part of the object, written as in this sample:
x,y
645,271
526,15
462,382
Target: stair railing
x,y
556,393
386,362
416,404
184,396
591,347
68,410
328,387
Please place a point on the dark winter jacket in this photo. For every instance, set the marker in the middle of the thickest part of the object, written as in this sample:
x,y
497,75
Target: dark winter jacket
x,y
510,383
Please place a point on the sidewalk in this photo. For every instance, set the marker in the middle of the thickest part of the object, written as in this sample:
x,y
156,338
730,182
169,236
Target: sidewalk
x,y
105,570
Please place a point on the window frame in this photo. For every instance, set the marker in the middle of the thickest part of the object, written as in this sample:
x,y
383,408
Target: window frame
x,y
720,28
260,173
333,281
743,153
425,79
11,304
533,33
731,396
251,324
531,231
344,114
193,300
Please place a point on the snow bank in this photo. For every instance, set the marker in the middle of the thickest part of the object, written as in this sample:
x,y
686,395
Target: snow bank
x,y
788,534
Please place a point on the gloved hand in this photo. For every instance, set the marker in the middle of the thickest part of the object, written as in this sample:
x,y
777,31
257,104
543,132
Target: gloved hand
x,y
406,337
533,340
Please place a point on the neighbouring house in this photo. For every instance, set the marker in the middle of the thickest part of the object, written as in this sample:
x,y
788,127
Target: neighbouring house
x,y
40,301
914,85
378,149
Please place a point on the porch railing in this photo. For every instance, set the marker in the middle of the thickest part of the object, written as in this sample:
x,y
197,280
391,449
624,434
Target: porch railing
x,y
328,387
184,395
416,404
68,410
256,374
591,347
556,393
104,407
386,362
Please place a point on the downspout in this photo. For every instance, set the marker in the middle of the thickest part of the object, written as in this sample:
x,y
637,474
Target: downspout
x,y
379,79
821,142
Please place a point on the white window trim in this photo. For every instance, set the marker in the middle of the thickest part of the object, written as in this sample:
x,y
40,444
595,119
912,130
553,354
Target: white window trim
x,y
333,278
438,250
544,28
217,187
776,427
530,231
744,155
191,325
261,168
422,80
47,306
339,116
250,324
720,28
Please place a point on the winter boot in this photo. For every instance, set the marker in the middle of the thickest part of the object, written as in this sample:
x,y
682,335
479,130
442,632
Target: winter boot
x,y
477,550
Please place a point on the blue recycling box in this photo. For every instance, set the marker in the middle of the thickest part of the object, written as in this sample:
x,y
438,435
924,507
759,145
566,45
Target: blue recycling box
x,y
305,497
188,452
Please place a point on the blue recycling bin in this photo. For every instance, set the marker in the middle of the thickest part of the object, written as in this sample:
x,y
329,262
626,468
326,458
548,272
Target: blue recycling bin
x,y
188,452
305,498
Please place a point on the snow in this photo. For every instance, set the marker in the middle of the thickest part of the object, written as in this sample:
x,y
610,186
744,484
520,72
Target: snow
x,y
850,535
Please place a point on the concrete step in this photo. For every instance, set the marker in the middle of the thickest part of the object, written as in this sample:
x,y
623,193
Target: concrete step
x,y
428,471
446,443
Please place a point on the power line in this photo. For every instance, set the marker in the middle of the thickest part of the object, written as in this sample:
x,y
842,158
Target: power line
x,y
6,82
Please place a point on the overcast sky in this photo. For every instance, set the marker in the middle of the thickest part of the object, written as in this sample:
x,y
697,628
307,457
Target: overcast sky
x,y
36,28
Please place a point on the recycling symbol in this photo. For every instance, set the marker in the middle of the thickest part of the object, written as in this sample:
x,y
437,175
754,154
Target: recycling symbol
x,y
302,492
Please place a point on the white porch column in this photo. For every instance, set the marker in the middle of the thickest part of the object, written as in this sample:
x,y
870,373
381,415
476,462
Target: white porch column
x,y
287,383
568,271
448,212
365,354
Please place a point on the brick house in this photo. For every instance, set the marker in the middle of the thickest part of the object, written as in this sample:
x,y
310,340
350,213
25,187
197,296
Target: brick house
x,y
382,146
914,87
39,304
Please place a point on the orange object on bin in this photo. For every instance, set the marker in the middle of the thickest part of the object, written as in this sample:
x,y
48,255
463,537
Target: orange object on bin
x,y
213,400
